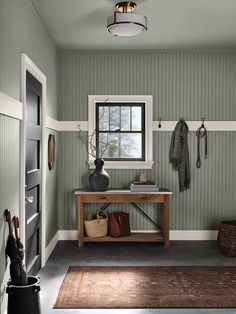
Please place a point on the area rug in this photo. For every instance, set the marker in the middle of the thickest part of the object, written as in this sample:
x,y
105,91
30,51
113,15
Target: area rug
x,y
148,287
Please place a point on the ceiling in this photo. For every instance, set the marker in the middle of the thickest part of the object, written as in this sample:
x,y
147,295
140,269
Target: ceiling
x,y
172,24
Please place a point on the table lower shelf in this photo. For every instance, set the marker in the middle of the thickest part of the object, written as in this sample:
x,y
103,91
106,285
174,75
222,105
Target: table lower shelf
x,y
134,237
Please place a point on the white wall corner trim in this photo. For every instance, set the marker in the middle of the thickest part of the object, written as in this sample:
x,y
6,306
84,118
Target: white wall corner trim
x,y
52,123
10,107
28,65
51,246
175,235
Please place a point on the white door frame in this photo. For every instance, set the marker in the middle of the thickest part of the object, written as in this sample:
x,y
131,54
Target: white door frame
x,y
28,65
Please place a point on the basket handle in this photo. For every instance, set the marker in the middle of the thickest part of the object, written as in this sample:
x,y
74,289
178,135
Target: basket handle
x,y
101,211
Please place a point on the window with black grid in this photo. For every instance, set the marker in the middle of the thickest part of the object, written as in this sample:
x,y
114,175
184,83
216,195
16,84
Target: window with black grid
x,y
120,131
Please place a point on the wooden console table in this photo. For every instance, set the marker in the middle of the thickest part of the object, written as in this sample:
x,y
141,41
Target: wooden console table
x,y
126,196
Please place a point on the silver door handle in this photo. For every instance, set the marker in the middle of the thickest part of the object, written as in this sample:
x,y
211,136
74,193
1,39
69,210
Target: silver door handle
x,y
29,199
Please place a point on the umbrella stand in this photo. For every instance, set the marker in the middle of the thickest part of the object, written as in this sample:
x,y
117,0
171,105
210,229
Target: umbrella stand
x,y
23,292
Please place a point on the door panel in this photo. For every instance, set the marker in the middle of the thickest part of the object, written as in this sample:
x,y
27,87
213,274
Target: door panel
x,y
33,107
32,208
33,174
32,155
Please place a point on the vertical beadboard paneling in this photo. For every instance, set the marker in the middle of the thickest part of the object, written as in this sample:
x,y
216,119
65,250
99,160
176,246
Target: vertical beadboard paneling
x,y
9,188
183,84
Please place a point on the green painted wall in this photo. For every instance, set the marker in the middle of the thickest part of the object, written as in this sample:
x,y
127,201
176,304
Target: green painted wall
x,y
184,84
9,188
22,31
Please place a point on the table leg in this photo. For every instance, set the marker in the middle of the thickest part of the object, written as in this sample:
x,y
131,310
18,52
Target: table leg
x,y
165,221
80,207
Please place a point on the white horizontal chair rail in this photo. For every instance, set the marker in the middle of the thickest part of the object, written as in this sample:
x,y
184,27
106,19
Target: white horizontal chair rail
x,y
194,125
73,126
11,107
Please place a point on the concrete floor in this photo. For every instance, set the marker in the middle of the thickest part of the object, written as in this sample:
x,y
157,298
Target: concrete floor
x,y
182,253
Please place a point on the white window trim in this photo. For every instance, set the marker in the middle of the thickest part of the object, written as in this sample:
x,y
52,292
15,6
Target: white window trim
x,y
148,101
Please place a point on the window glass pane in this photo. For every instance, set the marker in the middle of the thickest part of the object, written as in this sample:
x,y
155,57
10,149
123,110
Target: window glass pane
x,y
136,118
103,118
114,118
120,145
125,118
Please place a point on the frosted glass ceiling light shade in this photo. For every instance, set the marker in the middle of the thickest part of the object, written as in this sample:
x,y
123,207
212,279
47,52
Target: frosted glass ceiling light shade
x,y
126,23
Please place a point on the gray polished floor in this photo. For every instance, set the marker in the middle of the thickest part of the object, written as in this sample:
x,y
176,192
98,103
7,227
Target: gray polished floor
x,y
66,253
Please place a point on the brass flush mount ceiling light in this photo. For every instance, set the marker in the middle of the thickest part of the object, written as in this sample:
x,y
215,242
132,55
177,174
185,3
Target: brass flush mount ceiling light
x,y
124,22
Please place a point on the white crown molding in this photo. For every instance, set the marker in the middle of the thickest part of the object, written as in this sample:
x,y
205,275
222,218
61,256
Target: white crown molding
x,y
175,235
10,107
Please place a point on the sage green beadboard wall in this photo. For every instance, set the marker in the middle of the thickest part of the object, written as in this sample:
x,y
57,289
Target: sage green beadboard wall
x,y
22,31
188,84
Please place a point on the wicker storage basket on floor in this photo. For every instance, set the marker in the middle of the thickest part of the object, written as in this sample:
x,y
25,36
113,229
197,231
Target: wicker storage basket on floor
x,y
98,227
227,237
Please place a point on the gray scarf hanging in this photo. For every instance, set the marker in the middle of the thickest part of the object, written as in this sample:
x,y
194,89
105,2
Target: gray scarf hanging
x,y
179,154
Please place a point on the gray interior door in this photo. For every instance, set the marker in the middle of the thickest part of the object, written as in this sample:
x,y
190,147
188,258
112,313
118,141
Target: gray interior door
x,y
33,175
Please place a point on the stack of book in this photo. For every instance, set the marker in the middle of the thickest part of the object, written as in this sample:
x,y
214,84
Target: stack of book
x,y
148,186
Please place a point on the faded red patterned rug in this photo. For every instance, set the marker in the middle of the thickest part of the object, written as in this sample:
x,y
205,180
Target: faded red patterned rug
x,y
148,287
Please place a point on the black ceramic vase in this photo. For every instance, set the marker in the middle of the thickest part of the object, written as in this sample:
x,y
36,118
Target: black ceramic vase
x,y
99,178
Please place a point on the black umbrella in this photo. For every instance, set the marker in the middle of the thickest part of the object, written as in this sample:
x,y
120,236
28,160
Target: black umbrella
x,y
17,272
20,247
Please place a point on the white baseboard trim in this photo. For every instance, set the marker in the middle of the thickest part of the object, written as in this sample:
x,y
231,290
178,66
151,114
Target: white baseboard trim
x,y
193,235
64,235
175,235
51,246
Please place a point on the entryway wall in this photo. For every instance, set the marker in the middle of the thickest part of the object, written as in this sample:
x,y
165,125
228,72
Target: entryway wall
x,y
22,31
190,84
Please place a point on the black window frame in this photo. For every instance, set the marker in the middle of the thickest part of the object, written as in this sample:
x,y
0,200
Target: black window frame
x,y
142,132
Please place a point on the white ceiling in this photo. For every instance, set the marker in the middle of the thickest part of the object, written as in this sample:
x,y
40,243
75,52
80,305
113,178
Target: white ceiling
x,y
171,24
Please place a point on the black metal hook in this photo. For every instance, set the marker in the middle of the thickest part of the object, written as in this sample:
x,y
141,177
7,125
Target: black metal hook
x,y
203,120
159,124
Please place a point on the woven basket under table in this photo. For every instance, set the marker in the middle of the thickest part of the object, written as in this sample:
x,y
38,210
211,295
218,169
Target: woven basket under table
x,y
227,237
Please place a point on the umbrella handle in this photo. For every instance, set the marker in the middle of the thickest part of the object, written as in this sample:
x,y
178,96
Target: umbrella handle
x,y
15,221
7,215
